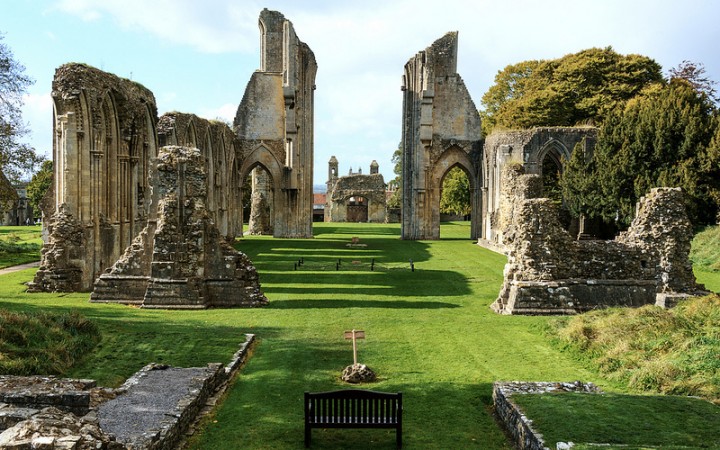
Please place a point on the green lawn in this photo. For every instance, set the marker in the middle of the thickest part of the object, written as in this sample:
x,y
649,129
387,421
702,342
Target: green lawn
x,y
641,421
430,334
19,245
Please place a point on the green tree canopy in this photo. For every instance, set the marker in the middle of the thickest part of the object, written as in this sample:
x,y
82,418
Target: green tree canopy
x,y
395,201
666,136
455,197
39,185
578,88
16,158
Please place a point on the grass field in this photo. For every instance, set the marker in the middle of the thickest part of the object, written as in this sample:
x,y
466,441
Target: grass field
x,y
430,334
19,245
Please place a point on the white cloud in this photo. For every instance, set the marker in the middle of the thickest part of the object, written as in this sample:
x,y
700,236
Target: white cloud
x,y
38,114
210,26
225,112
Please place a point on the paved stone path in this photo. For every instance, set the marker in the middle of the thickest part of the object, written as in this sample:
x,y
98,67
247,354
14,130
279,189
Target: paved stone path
x,y
152,405
19,267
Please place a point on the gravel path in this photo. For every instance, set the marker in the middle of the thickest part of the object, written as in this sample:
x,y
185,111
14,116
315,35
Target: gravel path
x,y
19,267
137,415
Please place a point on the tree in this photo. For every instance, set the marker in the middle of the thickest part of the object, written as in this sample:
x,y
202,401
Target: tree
x,y
666,136
694,73
39,185
579,88
395,201
455,198
509,85
16,158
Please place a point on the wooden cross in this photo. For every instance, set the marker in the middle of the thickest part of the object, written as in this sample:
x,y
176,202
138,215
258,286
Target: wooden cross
x,y
355,335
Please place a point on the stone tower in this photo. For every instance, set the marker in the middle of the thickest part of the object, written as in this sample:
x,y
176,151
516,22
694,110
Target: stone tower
x,y
441,130
274,124
374,167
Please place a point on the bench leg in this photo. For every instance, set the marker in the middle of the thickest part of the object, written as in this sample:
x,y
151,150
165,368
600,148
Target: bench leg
x,y
307,435
398,437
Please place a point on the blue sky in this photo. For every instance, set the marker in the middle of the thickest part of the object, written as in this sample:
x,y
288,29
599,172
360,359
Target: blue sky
x,y
197,56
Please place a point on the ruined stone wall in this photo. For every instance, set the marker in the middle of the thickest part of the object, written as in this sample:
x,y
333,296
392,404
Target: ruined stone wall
x,y
527,148
275,121
441,130
261,212
549,272
104,128
217,143
182,262
106,137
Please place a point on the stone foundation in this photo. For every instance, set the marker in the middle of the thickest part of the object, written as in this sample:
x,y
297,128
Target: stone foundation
x,y
44,412
514,421
549,272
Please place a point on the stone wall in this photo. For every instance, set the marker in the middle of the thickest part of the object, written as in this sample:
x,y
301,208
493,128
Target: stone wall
x,y
181,261
528,149
549,272
105,138
107,133
441,130
275,124
169,401
516,424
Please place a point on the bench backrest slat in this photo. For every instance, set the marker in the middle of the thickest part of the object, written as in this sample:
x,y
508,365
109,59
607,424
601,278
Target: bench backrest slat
x,y
353,407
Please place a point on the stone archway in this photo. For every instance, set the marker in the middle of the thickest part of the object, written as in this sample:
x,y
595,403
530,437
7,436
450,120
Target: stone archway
x,y
441,129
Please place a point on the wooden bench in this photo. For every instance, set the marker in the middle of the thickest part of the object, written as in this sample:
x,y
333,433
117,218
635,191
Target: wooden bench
x,y
353,408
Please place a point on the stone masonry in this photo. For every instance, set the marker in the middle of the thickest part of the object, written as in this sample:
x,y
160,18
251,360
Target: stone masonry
x,y
528,149
356,197
549,272
274,124
441,130
182,261
107,135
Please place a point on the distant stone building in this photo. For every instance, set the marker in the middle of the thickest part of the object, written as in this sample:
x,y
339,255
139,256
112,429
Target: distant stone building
x,y
355,197
15,207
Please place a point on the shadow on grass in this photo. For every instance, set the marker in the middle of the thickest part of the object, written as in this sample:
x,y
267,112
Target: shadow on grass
x,y
390,304
397,283
358,229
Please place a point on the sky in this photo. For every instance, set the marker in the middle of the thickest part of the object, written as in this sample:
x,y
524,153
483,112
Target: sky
x,y
198,55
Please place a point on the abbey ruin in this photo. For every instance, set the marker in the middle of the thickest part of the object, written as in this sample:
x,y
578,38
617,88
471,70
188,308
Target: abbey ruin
x,y
116,212
145,207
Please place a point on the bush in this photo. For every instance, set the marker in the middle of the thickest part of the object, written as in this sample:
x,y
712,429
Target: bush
x,y
652,349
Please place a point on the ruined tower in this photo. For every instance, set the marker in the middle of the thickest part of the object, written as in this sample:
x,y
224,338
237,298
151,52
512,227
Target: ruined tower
x,y
274,124
441,130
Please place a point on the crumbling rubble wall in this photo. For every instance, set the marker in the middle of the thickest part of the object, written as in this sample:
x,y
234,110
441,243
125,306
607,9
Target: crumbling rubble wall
x,y
526,149
549,272
181,261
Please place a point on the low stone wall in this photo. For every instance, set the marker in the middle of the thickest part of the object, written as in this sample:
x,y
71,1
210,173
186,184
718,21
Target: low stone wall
x,y
516,424
165,419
